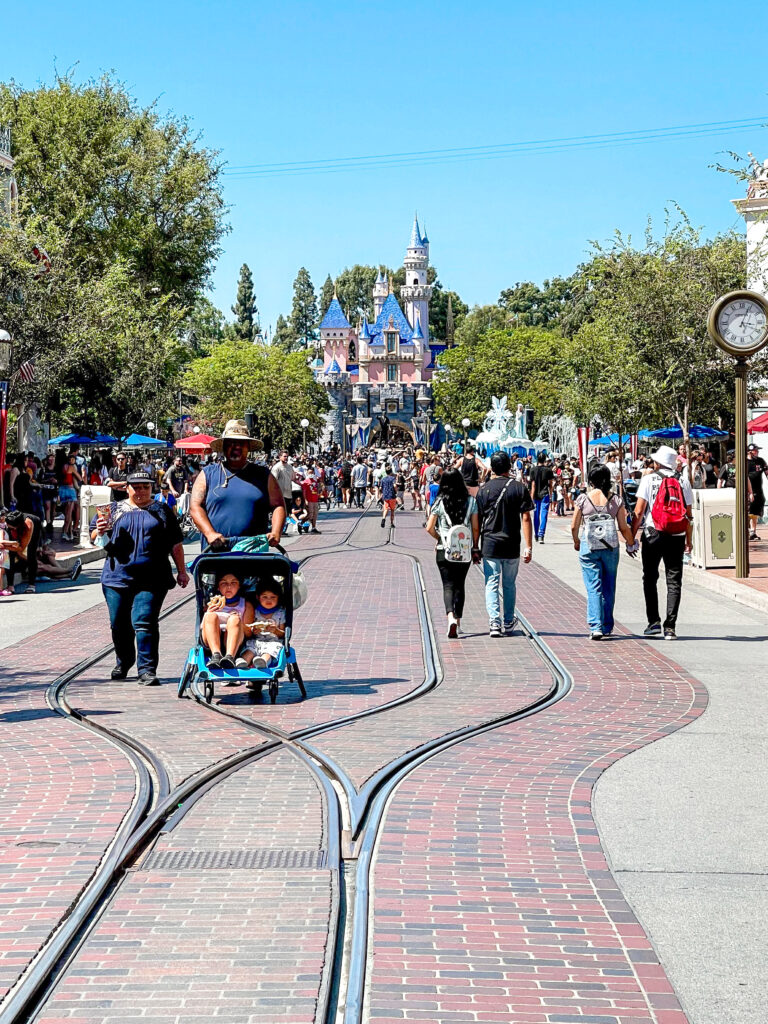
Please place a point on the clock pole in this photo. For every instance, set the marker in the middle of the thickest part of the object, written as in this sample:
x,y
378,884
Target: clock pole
x,y
742,542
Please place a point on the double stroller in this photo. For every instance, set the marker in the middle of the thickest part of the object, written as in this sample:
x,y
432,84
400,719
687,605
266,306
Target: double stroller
x,y
251,568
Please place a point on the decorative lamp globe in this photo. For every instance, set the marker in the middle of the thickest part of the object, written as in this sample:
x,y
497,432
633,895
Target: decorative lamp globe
x,y
305,423
6,353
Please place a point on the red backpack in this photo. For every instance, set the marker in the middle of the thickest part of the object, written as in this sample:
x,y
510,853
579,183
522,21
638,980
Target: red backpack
x,y
668,510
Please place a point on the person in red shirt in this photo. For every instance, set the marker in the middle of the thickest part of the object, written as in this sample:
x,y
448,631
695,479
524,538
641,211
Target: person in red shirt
x,y
311,499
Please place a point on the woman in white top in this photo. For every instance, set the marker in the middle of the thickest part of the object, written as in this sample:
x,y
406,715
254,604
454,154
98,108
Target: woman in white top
x,y
599,518
453,506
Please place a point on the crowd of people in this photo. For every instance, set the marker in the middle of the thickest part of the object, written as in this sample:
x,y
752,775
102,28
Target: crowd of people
x,y
488,511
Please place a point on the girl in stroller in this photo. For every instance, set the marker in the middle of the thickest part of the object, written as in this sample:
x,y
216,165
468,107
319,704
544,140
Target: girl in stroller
x,y
230,614
267,631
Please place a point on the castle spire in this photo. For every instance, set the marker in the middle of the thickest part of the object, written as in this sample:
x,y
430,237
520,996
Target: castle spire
x,y
416,242
449,327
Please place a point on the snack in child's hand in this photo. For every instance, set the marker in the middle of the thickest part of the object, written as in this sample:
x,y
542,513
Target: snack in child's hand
x,y
216,602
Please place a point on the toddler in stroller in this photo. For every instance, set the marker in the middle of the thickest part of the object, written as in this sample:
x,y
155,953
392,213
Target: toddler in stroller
x,y
267,631
230,615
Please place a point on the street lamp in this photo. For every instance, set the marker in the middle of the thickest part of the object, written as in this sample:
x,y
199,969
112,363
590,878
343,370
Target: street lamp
x,y
6,355
151,427
466,423
196,430
423,402
304,425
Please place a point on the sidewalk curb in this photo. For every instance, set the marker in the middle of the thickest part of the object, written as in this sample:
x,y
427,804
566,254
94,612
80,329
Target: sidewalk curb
x,y
68,559
742,593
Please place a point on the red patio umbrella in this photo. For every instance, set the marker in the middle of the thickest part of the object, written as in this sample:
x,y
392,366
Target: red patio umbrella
x,y
195,443
759,425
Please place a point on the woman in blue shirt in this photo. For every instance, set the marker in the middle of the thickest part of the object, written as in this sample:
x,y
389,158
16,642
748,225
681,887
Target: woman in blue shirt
x,y
139,534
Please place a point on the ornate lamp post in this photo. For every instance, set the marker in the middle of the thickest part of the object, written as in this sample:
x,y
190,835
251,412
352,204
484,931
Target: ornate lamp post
x,y
151,426
466,423
304,425
6,356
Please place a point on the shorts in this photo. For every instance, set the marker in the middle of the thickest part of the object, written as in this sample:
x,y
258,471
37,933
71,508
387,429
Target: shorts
x,y
67,493
391,503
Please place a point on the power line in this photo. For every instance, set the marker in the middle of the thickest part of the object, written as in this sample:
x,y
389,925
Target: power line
x,y
461,154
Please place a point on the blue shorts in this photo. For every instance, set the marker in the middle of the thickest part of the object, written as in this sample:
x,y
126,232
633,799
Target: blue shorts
x,y
67,493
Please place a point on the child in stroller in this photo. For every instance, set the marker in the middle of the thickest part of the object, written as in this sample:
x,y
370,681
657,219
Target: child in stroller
x,y
267,631
228,613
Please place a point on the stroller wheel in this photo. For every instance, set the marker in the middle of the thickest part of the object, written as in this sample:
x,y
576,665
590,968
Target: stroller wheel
x,y
273,688
186,679
206,684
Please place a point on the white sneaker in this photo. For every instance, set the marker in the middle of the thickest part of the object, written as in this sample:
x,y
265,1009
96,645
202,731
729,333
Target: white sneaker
x,y
453,626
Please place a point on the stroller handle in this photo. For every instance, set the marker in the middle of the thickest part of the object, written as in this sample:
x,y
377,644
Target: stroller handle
x,y
227,543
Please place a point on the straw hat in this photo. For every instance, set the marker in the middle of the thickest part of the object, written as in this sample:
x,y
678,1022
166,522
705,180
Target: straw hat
x,y
236,430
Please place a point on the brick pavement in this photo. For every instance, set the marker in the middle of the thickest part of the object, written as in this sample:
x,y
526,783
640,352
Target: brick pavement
x,y
244,946
494,901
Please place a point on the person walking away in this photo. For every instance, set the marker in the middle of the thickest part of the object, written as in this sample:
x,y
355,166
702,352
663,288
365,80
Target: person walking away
x,y
388,496
504,509
50,485
359,481
756,470
309,487
600,516
542,485
138,535
663,517
455,525
345,474
234,497
400,488
471,468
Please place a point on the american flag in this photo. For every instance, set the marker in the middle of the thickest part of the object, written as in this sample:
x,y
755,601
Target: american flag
x,y
27,371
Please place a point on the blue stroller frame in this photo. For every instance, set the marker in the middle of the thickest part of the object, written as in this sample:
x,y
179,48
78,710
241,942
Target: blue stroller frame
x,y
250,567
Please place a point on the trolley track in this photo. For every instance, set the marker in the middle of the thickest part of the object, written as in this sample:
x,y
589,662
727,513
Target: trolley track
x,y
155,803
353,817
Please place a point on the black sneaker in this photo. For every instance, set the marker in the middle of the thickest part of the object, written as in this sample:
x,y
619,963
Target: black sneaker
x,y
148,679
670,634
118,672
597,635
77,568
495,631
654,629
227,661
509,627
383,523
215,660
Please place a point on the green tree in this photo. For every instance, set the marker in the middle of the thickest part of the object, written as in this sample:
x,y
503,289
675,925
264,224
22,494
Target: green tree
x,y
527,304
246,325
120,181
644,351
279,388
284,337
107,355
326,296
354,288
304,316
205,326
525,363
477,322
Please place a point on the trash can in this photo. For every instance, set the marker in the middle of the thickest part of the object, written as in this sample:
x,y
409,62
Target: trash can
x,y
714,528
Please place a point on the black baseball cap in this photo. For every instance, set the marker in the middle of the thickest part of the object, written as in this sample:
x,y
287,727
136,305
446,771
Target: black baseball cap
x,y
139,477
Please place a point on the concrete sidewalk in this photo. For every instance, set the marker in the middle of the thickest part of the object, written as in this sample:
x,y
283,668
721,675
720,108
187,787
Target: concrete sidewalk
x,y
683,821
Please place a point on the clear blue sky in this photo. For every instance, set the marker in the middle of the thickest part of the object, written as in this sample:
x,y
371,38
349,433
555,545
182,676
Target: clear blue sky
x,y
301,81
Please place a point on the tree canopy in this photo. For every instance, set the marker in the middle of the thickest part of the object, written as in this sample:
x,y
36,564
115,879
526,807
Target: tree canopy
x,y
304,315
246,325
277,387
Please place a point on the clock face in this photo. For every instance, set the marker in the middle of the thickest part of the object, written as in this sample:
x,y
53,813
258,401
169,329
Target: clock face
x,y
742,324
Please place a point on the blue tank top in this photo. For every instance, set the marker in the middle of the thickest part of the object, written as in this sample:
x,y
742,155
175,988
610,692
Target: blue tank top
x,y
237,504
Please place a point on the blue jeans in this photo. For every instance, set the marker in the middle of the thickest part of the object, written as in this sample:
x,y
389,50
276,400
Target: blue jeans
x,y
599,570
500,582
133,616
540,513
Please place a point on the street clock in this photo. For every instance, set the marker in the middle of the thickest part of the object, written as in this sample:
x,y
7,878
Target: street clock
x,y
738,323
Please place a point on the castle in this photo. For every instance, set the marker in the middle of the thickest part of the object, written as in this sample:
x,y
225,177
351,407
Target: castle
x,y
377,375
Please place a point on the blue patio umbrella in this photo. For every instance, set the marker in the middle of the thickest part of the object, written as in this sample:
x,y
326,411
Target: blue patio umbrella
x,y
609,440
696,432
142,441
74,438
